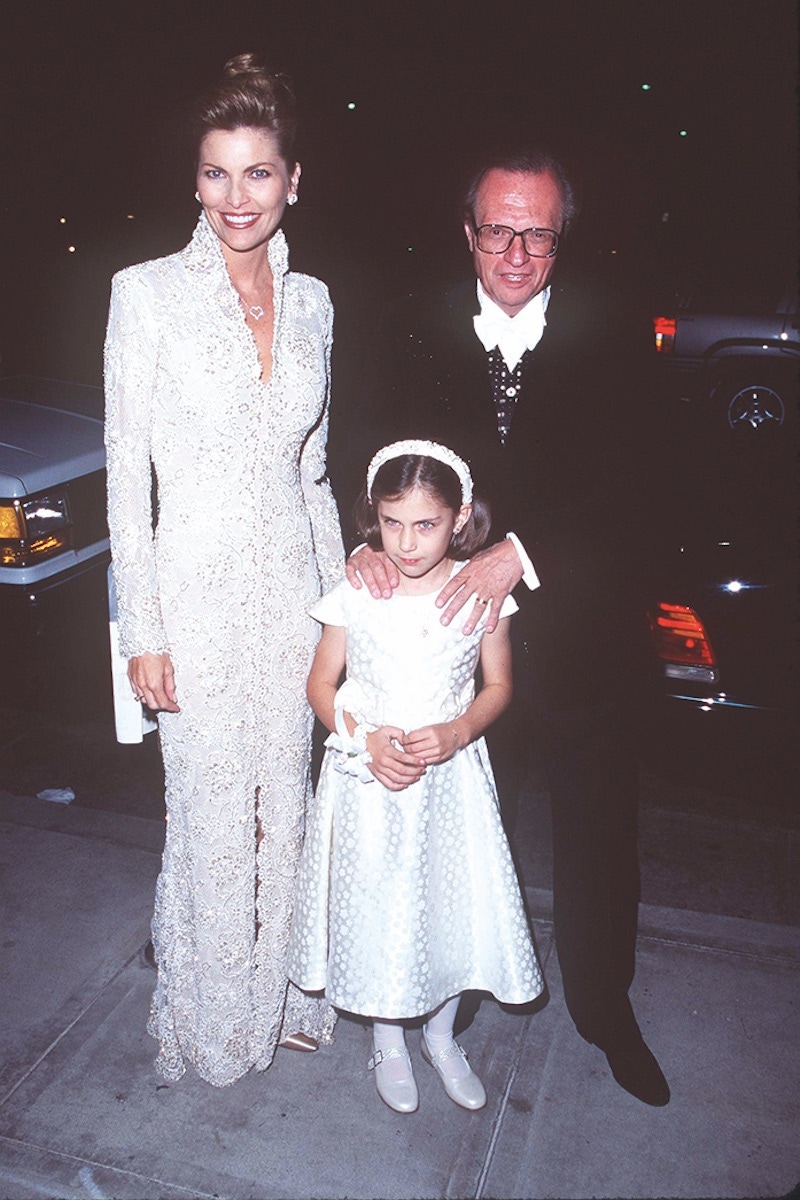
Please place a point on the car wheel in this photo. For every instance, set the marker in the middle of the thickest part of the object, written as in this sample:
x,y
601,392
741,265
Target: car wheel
x,y
755,409
752,405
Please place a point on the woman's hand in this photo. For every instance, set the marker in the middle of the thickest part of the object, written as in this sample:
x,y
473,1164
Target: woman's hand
x,y
153,681
391,765
434,743
375,570
491,576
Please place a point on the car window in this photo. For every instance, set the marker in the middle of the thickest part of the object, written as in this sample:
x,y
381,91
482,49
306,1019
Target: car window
x,y
737,288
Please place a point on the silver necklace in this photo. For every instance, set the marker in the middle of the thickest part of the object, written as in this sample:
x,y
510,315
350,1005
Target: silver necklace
x,y
255,310
422,623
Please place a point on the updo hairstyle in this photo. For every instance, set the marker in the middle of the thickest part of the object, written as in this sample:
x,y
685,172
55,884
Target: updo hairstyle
x,y
247,95
401,475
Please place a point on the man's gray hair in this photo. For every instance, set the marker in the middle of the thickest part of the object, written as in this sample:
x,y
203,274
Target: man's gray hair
x,y
527,162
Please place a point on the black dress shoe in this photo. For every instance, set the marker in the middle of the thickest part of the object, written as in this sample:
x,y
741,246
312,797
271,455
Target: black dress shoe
x,y
635,1069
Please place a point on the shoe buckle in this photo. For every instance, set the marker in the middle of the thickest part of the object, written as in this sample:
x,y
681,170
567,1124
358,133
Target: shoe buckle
x,y
383,1055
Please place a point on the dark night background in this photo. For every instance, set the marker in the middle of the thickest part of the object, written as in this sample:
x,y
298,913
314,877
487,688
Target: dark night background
x,y
95,96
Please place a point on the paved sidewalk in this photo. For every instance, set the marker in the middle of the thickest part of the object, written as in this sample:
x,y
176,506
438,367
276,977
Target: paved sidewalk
x,y
83,1114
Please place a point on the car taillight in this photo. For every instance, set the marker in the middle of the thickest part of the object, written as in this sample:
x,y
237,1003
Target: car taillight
x,y
664,330
31,530
682,643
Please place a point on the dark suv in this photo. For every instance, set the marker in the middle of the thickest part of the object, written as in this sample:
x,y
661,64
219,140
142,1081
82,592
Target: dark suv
x,y
724,590
732,346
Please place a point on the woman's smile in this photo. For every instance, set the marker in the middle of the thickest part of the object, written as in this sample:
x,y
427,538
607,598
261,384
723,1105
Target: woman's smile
x,y
243,184
240,220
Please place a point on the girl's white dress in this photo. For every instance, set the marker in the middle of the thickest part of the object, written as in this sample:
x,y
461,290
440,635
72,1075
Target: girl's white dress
x,y
407,898
247,539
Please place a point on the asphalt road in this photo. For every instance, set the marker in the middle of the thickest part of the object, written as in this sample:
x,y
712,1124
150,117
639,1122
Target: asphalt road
x,y
719,828
62,736
64,742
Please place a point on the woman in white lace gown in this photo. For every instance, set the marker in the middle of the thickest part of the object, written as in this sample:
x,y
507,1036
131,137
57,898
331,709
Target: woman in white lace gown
x,y
217,363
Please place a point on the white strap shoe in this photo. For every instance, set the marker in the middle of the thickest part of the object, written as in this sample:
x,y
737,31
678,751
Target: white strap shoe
x,y
467,1092
399,1094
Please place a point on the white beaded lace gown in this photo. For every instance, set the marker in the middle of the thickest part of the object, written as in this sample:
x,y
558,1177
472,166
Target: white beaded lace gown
x,y
247,537
405,899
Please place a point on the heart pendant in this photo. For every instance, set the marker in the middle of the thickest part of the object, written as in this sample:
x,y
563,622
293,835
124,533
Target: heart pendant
x,y
256,311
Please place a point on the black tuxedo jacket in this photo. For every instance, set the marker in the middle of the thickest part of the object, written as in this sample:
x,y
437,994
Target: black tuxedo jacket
x,y
570,481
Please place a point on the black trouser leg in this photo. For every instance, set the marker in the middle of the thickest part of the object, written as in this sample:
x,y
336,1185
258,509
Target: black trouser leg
x,y
594,798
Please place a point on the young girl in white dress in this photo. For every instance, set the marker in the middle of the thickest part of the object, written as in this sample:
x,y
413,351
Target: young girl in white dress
x,y
407,894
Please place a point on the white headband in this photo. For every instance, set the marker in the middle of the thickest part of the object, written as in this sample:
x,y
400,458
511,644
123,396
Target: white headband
x,y
426,450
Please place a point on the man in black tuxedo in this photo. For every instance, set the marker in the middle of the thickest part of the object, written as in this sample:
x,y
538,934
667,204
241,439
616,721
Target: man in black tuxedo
x,y
539,388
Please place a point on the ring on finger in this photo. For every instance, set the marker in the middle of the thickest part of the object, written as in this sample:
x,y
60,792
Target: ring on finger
x,y
486,601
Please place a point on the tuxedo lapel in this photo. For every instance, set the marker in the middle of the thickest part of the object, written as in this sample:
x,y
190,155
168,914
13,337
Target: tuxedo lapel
x,y
468,392
468,389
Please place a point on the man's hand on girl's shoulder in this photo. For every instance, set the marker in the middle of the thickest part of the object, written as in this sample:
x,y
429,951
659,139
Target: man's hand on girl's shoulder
x,y
374,570
490,576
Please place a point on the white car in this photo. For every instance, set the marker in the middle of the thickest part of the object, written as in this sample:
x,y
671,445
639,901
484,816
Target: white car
x,y
54,549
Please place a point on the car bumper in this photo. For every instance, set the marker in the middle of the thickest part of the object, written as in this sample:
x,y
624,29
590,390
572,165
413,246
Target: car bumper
x,y
721,743
54,628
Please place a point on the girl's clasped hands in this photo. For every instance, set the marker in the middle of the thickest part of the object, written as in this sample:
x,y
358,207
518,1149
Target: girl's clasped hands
x,y
399,759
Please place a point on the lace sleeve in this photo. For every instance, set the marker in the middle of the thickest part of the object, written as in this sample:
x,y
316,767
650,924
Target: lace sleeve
x,y
130,359
316,486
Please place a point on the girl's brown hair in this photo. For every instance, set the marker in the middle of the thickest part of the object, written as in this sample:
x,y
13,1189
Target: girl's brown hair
x,y
398,476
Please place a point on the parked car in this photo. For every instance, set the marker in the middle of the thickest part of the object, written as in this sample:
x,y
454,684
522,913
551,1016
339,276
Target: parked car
x,y
723,615
724,589
731,348
54,548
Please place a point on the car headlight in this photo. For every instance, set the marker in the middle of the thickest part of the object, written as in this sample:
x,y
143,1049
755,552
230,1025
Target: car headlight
x,y
33,529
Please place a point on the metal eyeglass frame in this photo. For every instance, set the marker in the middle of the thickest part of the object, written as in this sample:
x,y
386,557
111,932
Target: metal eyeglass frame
x,y
516,233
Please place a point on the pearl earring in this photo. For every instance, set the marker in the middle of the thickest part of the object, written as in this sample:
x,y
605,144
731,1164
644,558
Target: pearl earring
x,y
292,199
197,198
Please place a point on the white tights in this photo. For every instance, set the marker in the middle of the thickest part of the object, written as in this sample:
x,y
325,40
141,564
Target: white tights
x,y
388,1035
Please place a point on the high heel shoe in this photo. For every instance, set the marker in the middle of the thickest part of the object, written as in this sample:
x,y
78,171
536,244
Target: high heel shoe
x,y
300,1041
399,1094
467,1092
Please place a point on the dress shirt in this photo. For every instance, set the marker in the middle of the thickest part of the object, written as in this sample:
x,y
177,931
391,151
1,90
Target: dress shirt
x,y
512,335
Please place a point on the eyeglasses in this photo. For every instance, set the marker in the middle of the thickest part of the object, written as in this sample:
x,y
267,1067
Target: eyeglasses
x,y
497,239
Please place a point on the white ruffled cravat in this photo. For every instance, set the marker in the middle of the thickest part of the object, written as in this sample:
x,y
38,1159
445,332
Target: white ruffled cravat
x,y
512,335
